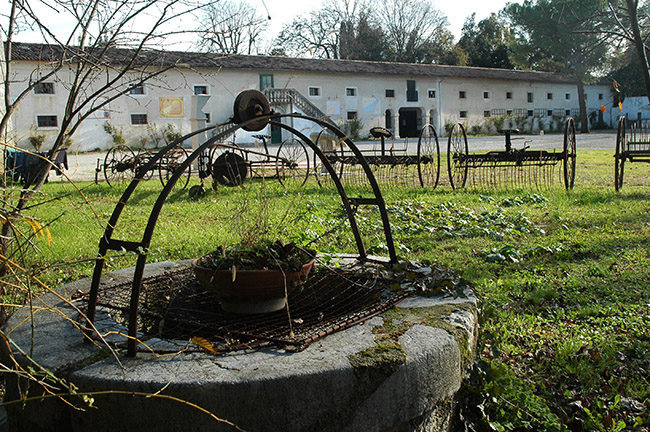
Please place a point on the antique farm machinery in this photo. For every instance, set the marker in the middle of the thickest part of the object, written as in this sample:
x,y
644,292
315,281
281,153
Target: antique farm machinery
x,y
393,165
518,168
632,144
122,163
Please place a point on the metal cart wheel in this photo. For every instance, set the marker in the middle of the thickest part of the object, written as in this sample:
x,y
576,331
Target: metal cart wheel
x,y
119,164
318,169
457,155
569,153
170,162
428,157
619,157
229,169
290,163
141,160
218,149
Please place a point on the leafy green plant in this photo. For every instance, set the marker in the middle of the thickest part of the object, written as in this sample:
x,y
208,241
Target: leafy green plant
x,y
171,133
117,134
354,128
36,141
258,256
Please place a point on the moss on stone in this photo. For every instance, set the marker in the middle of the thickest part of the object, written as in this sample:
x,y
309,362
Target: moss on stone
x,y
436,317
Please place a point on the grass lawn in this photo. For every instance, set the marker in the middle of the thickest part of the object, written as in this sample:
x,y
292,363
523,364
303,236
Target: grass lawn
x,y
563,277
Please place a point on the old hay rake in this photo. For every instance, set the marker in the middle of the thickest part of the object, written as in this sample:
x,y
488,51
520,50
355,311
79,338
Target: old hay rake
x,y
632,144
394,165
516,168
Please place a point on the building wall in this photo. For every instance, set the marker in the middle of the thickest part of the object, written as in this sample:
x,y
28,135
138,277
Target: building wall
x,y
372,99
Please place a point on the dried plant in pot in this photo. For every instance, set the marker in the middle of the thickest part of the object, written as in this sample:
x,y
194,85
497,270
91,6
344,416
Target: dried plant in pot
x,y
255,278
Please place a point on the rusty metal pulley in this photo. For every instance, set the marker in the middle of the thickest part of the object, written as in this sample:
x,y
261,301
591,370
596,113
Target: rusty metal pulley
x,y
248,105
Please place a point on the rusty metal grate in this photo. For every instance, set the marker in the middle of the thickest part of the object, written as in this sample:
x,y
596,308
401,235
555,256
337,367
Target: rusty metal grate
x,y
173,306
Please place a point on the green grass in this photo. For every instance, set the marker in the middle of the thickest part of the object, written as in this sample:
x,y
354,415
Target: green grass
x,y
563,277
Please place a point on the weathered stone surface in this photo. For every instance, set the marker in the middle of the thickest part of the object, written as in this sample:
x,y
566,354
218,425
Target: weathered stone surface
x,y
401,378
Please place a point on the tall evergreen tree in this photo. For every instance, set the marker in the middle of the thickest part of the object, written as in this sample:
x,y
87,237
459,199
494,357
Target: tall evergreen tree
x,y
486,43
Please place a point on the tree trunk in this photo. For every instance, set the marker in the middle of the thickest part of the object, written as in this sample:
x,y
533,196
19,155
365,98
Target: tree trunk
x,y
638,42
584,119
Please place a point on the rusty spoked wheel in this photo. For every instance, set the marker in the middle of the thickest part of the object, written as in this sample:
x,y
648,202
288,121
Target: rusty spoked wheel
x,y
457,156
569,153
229,169
171,162
323,142
428,157
119,164
292,163
619,156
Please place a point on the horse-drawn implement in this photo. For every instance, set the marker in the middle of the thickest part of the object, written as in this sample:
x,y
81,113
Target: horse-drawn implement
x,y
512,167
123,163
392,166
632,144
230,164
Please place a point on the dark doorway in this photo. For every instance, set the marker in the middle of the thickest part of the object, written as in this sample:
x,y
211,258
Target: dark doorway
x,y
408,123
276,134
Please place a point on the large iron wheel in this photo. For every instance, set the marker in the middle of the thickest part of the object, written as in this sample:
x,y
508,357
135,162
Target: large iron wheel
x,y
317,164
215,152
292,163
119,164
141,159
170,162
457,155
619,156
569,153
218,149
229,169
428,157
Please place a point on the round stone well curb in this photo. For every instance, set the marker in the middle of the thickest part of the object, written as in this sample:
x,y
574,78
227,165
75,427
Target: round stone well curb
x,y
397,371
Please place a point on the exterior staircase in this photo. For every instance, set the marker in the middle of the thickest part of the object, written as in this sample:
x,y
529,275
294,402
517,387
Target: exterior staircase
x,y
280,96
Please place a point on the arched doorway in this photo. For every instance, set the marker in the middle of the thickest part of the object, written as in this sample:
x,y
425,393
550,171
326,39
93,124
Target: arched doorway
x,y
388,120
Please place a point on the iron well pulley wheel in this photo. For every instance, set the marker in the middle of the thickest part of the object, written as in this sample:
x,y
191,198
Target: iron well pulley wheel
x,y
569,153
428,157
619,157
250,104
457,156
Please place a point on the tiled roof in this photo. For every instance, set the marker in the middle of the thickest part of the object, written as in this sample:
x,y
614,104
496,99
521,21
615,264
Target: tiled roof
x,y
26,51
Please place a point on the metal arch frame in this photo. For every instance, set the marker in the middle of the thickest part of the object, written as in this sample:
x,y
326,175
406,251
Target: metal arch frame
x,y
107,243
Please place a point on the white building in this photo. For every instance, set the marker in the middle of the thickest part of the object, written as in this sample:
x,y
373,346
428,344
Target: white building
x,y
400,97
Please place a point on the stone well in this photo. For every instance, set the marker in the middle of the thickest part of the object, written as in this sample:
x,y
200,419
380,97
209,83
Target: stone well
x,y
397,371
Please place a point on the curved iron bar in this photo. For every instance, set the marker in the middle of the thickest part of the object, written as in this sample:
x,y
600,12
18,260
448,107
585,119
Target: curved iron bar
x,y
378,200
106,242
141,248
344,198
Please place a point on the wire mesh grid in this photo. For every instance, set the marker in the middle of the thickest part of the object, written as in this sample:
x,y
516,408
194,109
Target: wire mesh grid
x,y
175,308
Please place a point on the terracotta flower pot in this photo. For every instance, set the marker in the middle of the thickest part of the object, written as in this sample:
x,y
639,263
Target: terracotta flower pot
x,y
252,291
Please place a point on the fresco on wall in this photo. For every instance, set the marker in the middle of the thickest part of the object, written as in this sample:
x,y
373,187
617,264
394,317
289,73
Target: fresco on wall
x,y
333,107
371,105
171,107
